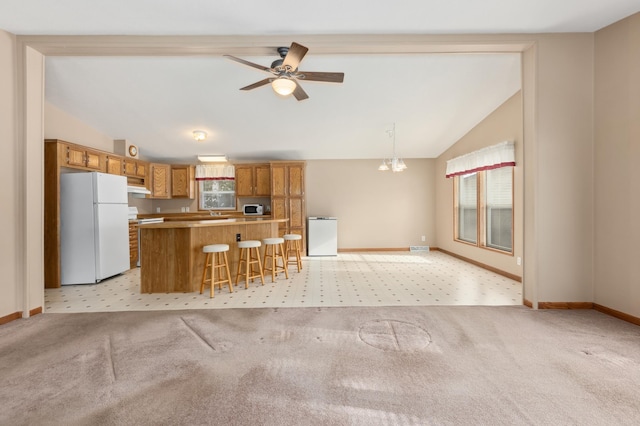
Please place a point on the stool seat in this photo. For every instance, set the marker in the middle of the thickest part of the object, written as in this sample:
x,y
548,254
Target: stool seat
x,y
216,260
249,244
215,248
276,240
292,237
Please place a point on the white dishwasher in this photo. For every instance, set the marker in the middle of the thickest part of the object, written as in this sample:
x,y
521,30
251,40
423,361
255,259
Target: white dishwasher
x,y
322,236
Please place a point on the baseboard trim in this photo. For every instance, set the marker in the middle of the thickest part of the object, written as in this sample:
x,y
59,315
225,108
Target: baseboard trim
x,y
565,305
483,266
17,315
617,314
527,303
364,250
11,317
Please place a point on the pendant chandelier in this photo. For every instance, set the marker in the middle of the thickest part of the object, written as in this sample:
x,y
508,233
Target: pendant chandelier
x,y
394,163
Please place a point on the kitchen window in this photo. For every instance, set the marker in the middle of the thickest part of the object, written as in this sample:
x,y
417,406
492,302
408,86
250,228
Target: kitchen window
x,y
216,187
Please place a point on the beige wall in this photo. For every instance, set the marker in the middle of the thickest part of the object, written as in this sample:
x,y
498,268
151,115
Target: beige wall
x,y
374,209
59,124
617,153
10,291
563,194
504,124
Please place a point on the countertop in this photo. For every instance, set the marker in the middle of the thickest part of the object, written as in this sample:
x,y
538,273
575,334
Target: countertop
x,y
214,221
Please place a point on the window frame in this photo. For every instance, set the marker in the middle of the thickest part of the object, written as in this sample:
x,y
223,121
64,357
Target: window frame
x,y
481,218
201,194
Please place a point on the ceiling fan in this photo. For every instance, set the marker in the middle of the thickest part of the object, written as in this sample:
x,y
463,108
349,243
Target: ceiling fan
x,y
286,76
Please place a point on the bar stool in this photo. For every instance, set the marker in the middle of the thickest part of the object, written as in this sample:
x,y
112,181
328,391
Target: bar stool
x,y
274,249
292,250
216,259
249,255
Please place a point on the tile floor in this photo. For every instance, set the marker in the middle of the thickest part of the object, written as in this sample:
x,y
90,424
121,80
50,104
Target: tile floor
x,y
350,279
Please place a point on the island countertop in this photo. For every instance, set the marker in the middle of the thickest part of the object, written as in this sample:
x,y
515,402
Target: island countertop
x,y
171,257
210,222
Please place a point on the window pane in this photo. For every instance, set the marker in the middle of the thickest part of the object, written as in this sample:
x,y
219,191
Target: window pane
x,y
217,194
467,208
499,205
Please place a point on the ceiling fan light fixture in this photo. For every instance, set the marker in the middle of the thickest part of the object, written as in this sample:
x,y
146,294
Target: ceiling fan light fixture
x,y
283,86
382,167
199,135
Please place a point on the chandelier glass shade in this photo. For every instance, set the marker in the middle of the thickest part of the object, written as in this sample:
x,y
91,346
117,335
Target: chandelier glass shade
x,y
395,164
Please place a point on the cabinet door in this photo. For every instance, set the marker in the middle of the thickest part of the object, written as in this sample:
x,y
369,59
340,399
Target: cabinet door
x,y
75,157
93,160
262,186
141,169
129,168
182,182
278,181
160,180
244,181
114,165
296,212
296,180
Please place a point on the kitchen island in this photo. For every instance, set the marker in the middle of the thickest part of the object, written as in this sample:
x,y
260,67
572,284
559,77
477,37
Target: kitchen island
x,y
171,258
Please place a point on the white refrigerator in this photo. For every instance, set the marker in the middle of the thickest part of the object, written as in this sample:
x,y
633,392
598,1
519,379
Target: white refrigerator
x,y
94,227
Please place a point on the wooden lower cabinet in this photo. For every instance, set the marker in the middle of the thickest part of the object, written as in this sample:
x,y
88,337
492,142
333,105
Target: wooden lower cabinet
x,y
133,244
292,208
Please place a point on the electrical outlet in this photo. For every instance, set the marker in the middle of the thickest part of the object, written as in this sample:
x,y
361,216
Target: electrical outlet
x,y
157,209
183,210
187,208
424,238
518,260
237,237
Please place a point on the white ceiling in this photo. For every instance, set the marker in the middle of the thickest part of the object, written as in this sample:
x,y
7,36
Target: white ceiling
x,y
156,102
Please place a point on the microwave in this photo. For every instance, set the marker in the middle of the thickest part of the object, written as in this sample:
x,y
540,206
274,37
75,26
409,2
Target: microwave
x,y
255,209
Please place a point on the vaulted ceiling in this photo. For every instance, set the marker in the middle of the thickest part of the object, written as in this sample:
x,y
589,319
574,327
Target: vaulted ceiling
x,y
157,101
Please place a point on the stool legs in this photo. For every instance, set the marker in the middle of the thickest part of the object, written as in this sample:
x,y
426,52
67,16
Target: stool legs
x,y
273,252
249,257
213,262
292,249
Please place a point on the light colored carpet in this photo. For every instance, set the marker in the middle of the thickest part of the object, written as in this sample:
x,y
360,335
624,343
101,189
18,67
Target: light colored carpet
x,y
321,366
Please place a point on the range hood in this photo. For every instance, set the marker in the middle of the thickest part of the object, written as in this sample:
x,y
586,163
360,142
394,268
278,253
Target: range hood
x,y
137,191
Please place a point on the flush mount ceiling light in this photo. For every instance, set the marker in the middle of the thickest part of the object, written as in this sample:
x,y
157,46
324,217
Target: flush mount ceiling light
x,y
212,158
199,135
394,163
283,86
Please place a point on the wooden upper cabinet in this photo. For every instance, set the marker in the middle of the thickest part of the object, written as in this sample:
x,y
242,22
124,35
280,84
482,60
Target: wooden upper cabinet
x,y
81,157
160,180
278,181
262,185
183,182
296,180
253,180
134,168
244,181
114,165
287,179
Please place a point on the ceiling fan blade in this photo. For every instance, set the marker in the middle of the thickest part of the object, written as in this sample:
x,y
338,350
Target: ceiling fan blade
x,y
299,92
295,55
329,77
257,84
251,64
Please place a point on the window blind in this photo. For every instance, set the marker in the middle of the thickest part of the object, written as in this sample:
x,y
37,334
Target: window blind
x,y
491,157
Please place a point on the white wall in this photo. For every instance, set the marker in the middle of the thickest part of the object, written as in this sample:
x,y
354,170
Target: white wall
x,y
59,124
9,287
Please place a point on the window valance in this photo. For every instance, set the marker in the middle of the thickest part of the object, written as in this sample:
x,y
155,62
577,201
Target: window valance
x,y
491,157
215,172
